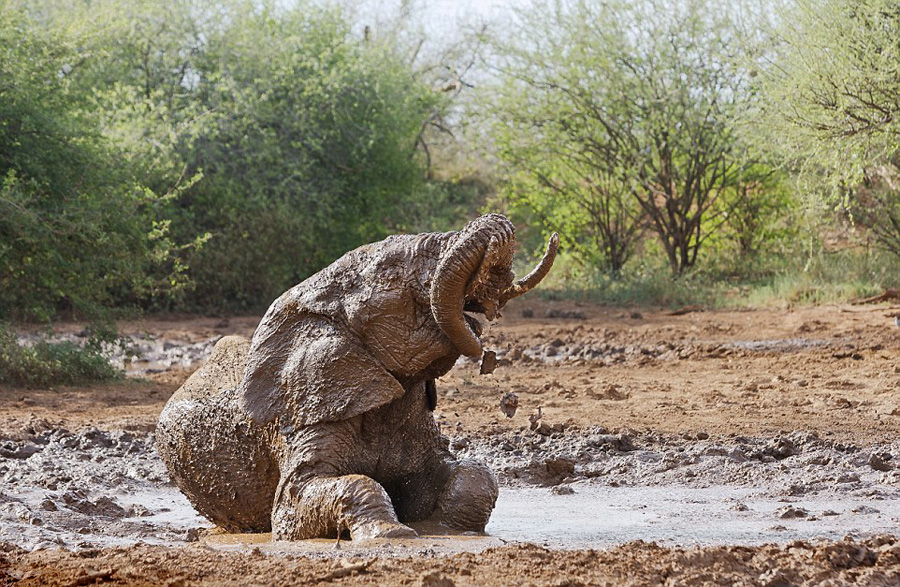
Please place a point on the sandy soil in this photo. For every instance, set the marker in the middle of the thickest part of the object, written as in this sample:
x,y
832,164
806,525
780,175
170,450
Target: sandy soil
x,y
800,407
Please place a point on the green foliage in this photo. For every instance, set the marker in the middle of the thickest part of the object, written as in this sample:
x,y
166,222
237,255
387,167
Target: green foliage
x,y
45,363
614,116
77,231
206,155
758,212
832,94
833,87
314,155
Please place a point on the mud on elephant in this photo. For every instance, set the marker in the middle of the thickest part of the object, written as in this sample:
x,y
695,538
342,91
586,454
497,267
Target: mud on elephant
x,y
322,423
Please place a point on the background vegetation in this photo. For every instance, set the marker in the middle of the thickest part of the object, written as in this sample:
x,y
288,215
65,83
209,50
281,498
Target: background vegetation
x,y
204,156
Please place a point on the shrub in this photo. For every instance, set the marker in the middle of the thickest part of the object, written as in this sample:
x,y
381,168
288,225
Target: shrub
x,y
51,363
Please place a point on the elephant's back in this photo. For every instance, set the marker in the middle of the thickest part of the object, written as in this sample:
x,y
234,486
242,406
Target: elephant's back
x,y
213,453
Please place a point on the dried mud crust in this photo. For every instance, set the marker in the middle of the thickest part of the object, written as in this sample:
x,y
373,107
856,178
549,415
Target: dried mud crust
x,y
792,402
875,561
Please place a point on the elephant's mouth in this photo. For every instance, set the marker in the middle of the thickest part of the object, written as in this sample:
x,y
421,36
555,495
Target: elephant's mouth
x,y
472,321
489,309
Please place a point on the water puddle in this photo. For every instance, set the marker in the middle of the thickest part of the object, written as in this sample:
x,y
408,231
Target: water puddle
x,y
597,517
602,516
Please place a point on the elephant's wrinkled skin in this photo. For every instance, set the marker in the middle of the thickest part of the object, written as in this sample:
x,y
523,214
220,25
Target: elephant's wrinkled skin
x,y
322,423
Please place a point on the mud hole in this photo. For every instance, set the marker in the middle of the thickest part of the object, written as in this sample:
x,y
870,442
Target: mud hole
x,y
753,447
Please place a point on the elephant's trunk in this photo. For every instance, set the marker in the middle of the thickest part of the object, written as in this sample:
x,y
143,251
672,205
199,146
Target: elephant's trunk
x,y
454,271
537,274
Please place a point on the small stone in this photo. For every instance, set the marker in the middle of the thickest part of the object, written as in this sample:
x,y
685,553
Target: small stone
x,y
702,436
562,490
527,313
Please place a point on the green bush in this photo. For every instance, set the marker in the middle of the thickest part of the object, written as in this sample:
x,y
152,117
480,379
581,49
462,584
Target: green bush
x,y
47,363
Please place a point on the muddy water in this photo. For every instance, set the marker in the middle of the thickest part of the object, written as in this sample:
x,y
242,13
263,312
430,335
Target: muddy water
x,y
602,517
576,489
596,516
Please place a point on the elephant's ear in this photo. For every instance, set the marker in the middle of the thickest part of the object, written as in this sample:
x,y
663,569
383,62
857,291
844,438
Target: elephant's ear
x,y
319,374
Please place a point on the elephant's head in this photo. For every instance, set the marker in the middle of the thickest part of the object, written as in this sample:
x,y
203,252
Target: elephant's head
x,y
475,275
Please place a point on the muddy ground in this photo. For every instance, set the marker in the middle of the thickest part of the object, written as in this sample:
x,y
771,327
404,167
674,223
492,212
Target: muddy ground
x,y
732,447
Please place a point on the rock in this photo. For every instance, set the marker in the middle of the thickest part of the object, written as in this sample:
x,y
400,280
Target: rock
x,y
562,490
527,313
791,512
560,467
509,404
878,463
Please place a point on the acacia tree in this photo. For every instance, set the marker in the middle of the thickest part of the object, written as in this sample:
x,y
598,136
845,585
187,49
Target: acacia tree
x,y
832,97
623,114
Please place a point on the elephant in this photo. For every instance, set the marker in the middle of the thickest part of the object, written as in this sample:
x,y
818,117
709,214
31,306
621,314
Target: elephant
x,y
321,425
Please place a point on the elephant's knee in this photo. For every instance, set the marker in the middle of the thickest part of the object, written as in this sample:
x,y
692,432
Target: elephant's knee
x,y
469,497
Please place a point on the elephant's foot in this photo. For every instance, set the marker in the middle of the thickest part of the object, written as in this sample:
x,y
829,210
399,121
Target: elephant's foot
x,y
469,497
323,507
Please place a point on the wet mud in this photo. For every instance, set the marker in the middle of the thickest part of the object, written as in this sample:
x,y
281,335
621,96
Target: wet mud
x,y
762,450
571,489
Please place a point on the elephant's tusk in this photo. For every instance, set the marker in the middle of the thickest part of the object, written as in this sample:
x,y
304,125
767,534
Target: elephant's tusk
x,y
537,274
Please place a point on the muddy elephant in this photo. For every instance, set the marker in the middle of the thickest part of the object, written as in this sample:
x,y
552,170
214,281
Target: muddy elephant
x,y
322,424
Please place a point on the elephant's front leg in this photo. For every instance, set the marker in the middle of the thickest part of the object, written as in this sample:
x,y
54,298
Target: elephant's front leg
x,y
321,507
